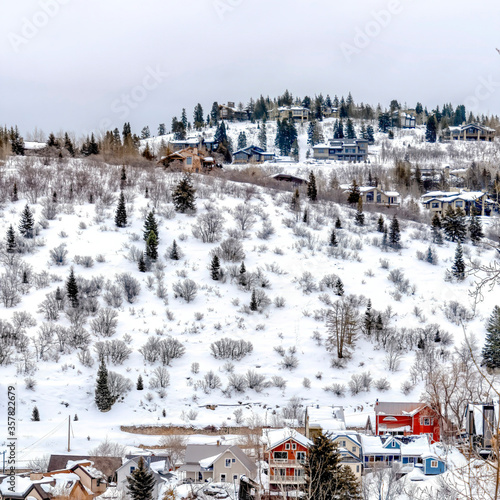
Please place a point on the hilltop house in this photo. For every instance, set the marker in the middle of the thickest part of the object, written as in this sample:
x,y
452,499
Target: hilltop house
x,y
406,419
402,119
323,419
198,141
481,421
296,181
230,112
252,154
189,160
375,195
439,201
221,463
469,132
286,453
352,150
295,113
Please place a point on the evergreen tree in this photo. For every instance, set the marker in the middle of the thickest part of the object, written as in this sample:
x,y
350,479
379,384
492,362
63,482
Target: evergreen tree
x,y
162,130
10,244
184,119
183,195
454,224
150,224
215,268
395,234
360,216
385,238
437,237
140,384
368,320
339,288
262,137
141,483
380,224
174,251
214,113
354,193
491,349
152,247
431,130
242,140
333,239
384,122
14,196
312,190
16,142
326,478
68,145
141,263
243,275
35,415
253,301
103,398
475,227
338,223
305,216
295,203
370,136
121,212
72,289
93,147
198,119
145,133
350,132
458,268
27,224
430,258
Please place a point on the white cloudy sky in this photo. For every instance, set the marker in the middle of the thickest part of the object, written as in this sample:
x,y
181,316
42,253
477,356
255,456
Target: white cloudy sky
x,y
73,68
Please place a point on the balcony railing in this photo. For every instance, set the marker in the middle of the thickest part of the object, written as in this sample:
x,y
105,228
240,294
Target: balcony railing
x,y
279,479
286,461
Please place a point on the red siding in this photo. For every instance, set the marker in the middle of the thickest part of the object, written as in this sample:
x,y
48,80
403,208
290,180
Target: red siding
x,y
292,454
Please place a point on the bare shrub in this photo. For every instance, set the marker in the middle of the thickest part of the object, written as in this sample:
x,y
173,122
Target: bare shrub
x,y
130,286
186,289
108,449
307,283
244,217
230,250
113,351
337,389
255,380
278,382
211,381
382,384
104,325
294,410
160,378
237,382
227,348
290,362
58,255
118,385
164,350
209,226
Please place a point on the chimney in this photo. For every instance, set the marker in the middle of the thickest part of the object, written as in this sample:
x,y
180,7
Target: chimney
x,y
218,442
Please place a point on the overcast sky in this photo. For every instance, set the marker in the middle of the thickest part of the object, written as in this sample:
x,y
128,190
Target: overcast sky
x,y
84,65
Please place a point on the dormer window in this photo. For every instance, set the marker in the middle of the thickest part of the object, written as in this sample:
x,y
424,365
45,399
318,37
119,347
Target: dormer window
x,y
287,446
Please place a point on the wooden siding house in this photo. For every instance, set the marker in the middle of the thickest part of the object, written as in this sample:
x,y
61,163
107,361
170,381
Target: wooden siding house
x,y
252,154
469,132
351,150
191,160
439,201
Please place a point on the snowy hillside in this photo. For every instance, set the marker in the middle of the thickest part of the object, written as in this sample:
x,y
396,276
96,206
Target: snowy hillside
x,y
289,262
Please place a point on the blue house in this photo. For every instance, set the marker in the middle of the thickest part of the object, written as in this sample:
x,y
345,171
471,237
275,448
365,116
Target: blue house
x,y
433,465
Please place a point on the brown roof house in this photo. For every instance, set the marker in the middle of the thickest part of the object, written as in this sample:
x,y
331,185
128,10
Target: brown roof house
x,y
221,463
191,159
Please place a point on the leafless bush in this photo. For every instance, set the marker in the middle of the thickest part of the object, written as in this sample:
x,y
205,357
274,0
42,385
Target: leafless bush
x,y
279,302
195,368
255,380
108,449
9,289
113,351
164,350
85,358
113,296
289,362
237,382
130,286
175,446
227,348
85,261
307,283
211,381
406,387
160,378
382,384
118,385
58,255
267,231
30,383
457,313
186,289
337,389
104,325
278,382
293,410
230,250
244,217
209,226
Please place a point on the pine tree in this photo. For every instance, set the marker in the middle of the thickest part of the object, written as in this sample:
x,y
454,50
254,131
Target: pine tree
x,y
437,237
215,268
183,196
75,418
385,238
431,130
475,227
174,251
295,203
145,133
103,398
14,196
140,384
333,239
253,301
27,224
141,483
368,320
305,216
354,193
350,132
454,225
491,349
430,258
312,190
10,246
123,178
150,224
242,140
339,288
72,289
360,216
121,212
326,478
262,137
380,224
162,130
458,268
68,145
141,263
370,136
152,247
243,275
35,415
395,234
338,223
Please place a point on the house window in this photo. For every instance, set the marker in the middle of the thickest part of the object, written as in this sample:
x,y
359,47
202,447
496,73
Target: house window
x,y
222,478
354,449
235,477
287,446
301,456
228,462
343,444
435,204
189,160
132,469
357,468
299,472
434,464
427,421
459,204
233,460
280,456
294,446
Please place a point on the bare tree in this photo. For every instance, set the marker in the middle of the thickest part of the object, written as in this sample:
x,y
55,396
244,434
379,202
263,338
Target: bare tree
x,y
342,324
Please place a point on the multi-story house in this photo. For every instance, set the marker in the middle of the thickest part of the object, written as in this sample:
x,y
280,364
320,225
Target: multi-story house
x,y
469,132
439,201
481,421
252,154
295,113
286,454
352,150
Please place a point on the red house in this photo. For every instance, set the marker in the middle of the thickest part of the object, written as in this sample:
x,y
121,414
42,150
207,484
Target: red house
x,y
286,454
406,419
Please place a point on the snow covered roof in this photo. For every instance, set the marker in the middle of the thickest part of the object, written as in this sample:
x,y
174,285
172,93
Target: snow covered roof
x,y
329,418
397,408
450,197
276,437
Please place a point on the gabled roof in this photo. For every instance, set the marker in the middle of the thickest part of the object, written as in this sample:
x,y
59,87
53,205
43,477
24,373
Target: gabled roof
x,y
197,452
107,465
237,453
277,437
406,408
